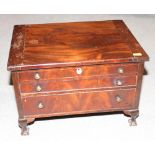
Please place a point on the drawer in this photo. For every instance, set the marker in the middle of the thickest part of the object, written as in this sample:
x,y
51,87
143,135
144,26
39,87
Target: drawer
x,y
81,102
78,84
70,72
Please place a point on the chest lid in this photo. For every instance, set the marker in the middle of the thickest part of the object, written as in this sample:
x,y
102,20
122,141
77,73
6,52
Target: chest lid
x,y
72,44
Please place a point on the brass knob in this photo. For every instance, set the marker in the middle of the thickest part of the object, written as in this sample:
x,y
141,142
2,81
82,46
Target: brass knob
x,y
118,98
38,88
79,71
119,82
120,70
37,76
40,105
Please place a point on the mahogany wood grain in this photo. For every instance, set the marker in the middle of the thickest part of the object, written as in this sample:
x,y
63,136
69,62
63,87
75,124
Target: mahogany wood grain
x,y
80,68
70,72
72,44
15,79
81,102
78,84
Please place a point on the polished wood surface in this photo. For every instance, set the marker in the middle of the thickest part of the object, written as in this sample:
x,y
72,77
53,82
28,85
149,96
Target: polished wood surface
x,y
71,72
75,68
81,102
73,44
78,84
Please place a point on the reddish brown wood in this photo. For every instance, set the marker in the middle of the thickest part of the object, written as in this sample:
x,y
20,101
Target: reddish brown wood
x,y
57,45
75,68
15,79
70,72
78,84
79,102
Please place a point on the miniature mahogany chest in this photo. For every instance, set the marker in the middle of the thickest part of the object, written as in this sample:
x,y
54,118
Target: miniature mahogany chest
x,y
75,68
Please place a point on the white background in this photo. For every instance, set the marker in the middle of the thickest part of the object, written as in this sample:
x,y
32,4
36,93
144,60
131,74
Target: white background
x,y
105,134
77,6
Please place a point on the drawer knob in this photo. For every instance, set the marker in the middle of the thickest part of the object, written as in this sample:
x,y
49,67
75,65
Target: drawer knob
x,y
38,88
120,70
37,76
119,83
40,105
79,71
118,98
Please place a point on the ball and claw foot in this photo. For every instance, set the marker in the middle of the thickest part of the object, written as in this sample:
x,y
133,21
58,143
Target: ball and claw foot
x,y
132,122
133,114
24,131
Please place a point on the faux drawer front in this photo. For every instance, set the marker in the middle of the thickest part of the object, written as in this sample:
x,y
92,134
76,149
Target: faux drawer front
x,y
69,85
70,72
72,103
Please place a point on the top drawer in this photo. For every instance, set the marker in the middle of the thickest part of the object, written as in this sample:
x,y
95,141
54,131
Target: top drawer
x,y
70,72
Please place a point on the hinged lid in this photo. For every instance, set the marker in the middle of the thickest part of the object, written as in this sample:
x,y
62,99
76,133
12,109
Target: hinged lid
x,y
73,44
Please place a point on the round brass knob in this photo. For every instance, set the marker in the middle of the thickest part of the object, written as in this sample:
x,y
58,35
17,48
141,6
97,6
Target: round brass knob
x,y
79,71
38,88
120,70
40,105
119,82
118,98
37,76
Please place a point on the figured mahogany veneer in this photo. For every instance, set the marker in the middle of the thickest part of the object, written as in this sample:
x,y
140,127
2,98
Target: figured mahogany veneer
x,y
57,104
77,84
70,72
75,68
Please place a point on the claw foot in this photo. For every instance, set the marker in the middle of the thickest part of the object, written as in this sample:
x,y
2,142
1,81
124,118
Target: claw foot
x,y
132,122
133,114
23,125
24,131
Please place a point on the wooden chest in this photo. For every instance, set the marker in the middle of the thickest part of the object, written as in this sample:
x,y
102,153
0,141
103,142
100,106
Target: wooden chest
x,y
75,68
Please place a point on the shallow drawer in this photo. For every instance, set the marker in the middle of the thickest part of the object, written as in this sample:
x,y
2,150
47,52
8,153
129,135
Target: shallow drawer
x,y
78,84
81,102
69,72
